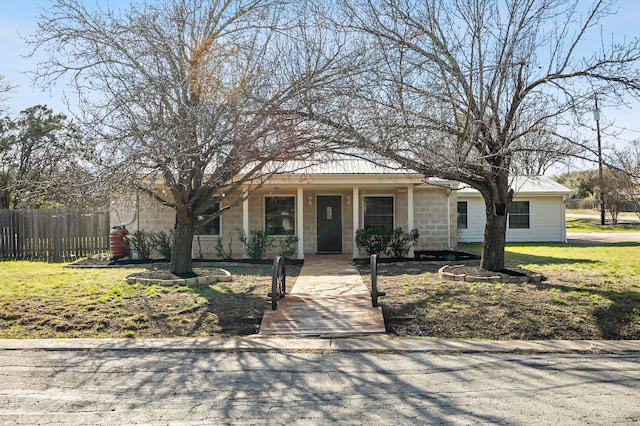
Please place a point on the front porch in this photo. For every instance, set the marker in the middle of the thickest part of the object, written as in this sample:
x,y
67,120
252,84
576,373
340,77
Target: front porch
x,y
325,218
317,207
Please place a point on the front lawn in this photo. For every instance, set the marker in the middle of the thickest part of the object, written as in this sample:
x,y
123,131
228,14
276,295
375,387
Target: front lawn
x,y
39,300
591,292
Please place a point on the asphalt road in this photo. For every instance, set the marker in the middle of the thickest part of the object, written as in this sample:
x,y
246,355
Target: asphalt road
x,y
602,237
184,387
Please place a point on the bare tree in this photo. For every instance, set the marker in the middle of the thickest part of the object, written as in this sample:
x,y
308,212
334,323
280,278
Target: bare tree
x,y
194,94
535,153
627,173
615,185
462,89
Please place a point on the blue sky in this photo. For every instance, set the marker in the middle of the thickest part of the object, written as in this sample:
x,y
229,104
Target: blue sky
x,y
19,17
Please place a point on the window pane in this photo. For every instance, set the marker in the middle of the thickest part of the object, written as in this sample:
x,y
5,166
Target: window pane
x,y
280,216
379,205
213,227
378,213
520,207
519,222
519,215
462,214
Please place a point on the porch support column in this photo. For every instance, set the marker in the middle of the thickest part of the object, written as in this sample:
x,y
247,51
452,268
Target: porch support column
x,y
300,222
356,218
449,224
410,219
245,225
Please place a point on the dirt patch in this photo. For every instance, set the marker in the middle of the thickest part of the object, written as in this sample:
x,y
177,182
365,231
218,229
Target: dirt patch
x,y
474,273
164,276
97,260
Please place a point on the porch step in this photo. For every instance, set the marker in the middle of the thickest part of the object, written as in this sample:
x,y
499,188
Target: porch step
x,y
318,315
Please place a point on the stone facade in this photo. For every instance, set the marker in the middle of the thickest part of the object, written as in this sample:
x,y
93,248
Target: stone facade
x,y
434,215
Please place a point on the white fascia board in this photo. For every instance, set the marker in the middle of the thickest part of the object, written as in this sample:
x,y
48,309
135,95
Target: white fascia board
x,y
346,180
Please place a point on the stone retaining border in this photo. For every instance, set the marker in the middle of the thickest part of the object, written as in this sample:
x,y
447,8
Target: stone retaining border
x,y
200,280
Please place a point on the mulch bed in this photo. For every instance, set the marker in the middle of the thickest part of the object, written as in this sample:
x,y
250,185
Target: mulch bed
x,y
476,273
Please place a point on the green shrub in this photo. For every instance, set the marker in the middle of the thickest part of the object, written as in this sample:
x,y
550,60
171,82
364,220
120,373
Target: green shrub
x,y
163,242
373,241
256,243
400,242
141,242
394,242
220,250
144,242
288,246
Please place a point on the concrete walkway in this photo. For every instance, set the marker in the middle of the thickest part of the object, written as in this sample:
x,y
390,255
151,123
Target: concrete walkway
x,y
329,298
367,344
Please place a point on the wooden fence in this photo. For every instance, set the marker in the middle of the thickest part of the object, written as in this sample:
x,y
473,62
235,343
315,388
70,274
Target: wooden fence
x,y
52,235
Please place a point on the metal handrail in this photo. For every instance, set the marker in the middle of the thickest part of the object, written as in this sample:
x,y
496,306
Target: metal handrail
x,y
374,281
278,282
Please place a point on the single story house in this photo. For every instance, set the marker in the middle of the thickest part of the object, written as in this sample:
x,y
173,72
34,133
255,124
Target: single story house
x,y
323,204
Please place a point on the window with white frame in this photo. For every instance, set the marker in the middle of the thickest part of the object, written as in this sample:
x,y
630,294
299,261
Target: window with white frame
x,y
463,215
519,217
279,215
378,213
213,226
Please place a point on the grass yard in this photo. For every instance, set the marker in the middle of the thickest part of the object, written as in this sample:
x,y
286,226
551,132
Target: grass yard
x,y
593,225
40,300
591,292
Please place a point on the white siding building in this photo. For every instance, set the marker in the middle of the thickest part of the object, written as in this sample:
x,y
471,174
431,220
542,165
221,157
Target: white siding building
x,y
537,213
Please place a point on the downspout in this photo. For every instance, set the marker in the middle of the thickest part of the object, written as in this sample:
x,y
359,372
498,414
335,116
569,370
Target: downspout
x,y
134,215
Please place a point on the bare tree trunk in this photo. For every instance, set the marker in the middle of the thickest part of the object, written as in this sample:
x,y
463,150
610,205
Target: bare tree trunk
x,y
498,196
181,262
492,257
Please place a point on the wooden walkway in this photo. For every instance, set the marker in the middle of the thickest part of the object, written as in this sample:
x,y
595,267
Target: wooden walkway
x,y
329,298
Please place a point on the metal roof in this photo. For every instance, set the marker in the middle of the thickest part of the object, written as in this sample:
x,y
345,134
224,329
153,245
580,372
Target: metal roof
x,y
344,167
527,185
351,171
